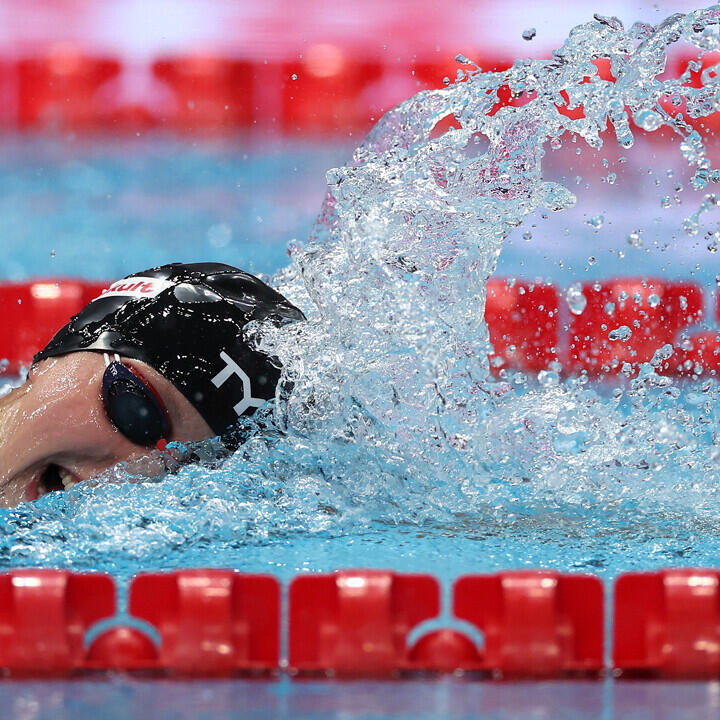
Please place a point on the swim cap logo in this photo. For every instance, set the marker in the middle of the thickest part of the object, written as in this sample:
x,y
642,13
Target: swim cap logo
x,y
137,287
232,368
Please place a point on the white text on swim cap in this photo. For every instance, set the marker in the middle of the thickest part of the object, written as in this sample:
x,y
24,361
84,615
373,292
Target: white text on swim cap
x,y
232,368
137,287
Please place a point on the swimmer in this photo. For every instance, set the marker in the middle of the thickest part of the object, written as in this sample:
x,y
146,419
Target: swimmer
x,y
159,356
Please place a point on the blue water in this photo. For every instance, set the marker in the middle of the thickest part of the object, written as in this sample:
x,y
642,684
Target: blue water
x,y
110,207
105,207
119,699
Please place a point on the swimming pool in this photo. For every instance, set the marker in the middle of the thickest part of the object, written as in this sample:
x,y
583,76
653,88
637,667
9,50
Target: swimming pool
x,y
221,520
569,475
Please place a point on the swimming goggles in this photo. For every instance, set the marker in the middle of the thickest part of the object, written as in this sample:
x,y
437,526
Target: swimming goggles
x,y
132,405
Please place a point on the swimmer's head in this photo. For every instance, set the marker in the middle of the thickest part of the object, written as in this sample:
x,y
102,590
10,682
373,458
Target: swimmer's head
x,y
187,322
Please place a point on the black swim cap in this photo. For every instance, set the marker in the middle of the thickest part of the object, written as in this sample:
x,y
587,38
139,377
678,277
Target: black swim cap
x,y
186,321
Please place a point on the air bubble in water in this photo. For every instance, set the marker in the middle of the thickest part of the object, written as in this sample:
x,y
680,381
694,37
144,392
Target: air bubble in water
x,y
575,299
529,34
653,300
665,202
596,221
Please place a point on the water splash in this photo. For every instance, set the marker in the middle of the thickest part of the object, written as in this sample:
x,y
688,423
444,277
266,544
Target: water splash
x,y
394,421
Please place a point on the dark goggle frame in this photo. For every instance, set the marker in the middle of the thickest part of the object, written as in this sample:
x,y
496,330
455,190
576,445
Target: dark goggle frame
x,y
132,404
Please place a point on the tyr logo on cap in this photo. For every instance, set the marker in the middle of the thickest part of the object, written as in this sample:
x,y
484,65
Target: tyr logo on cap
x,y
137,287
232,368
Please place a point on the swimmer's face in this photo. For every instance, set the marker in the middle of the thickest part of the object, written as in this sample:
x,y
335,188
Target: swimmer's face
x,y
54,429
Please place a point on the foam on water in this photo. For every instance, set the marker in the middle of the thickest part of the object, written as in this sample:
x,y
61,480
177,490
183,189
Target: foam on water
x,y
394,428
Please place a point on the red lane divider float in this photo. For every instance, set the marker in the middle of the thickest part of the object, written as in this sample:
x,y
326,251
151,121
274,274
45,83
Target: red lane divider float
x,y
211,621
539,624
32,312
60,90
524,324
356,623
531,326
208,92
667,624
327,89
654,311
323,92
44,615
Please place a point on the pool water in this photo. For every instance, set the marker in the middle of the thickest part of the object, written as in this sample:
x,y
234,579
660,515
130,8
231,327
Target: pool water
x,y
402,700
151,200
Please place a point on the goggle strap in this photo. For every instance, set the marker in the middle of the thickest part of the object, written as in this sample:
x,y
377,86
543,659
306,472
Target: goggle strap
x,y
107,359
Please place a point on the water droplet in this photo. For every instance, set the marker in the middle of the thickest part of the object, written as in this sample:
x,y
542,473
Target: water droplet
x,y
692,148
620,333
527,235
52,253
665,202
691,227
661,355
653,300
592,260
635,239
529,34
294,76
575,299
547,378
648,120
596,221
